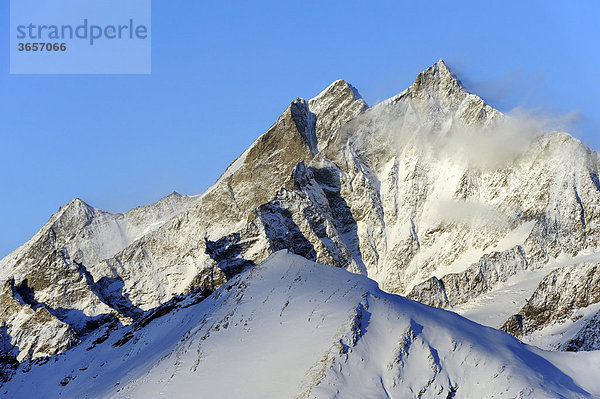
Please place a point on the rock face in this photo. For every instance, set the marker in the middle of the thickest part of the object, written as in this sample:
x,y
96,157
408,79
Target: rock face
x,y
559,298
479,278
431,193
587,338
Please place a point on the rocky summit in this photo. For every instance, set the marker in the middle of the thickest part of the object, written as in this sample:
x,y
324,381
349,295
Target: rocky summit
x,y
432,194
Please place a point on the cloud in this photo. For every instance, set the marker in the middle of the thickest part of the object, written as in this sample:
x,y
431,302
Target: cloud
x,y
515,86
493,145
544,119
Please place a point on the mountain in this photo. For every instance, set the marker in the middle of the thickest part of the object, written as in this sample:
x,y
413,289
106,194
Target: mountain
x,y
48,296
551,305
433,194
293,328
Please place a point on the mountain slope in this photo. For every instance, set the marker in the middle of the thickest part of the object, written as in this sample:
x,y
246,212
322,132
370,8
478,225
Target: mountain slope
x,y
49,297
93,264
432,193
567,304
292,328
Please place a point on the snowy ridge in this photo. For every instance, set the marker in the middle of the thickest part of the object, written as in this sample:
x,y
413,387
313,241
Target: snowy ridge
x,y
308,331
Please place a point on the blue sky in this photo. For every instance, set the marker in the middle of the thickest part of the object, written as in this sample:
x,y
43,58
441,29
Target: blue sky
x,y
223,73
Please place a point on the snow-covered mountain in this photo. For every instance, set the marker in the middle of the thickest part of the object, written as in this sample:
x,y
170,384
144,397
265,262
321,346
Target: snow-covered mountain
x,y
433,194
290,328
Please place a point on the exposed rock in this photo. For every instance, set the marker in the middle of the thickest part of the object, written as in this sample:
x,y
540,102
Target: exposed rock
x,y
481,277
557,299
587,338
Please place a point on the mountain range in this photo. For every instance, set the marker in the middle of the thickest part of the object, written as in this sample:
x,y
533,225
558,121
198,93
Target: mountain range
x,y
431,196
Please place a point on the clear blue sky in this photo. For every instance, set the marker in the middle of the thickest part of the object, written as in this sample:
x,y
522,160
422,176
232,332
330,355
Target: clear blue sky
x,y
223,73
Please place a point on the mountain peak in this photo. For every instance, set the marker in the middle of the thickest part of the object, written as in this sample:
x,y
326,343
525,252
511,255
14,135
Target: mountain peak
x,y
72,215
438,77
341,83
334,106
341,89
76,205
174,194
441,64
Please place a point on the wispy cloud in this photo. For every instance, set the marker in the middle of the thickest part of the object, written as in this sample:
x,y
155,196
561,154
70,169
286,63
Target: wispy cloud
x,y
491,145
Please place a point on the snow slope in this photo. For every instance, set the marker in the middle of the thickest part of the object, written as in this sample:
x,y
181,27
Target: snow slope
x,y
433,194
292,328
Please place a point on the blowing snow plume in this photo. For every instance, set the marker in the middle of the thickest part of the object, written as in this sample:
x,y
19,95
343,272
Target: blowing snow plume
x,y
437,118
